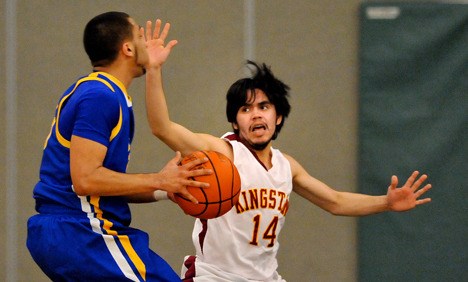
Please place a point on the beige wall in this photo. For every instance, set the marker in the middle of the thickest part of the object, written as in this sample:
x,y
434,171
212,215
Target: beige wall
x,y
311,45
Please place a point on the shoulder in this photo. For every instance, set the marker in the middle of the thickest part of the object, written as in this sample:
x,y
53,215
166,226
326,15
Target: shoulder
x,y
296,167
96,91
221,145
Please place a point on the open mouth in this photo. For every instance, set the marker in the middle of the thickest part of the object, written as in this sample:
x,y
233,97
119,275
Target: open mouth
x,y
258,127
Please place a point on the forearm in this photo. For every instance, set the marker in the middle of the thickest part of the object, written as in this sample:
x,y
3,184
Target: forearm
x,y
354,204
176,136
156,106
150,197
105,182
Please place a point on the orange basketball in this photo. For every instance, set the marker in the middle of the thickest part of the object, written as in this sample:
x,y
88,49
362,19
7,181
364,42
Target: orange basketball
x,y
224,189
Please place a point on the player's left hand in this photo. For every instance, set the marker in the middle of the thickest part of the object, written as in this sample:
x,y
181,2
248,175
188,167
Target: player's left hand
x,y
406,197
157,50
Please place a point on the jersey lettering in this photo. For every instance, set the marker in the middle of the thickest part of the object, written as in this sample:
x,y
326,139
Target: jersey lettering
x,y
262,198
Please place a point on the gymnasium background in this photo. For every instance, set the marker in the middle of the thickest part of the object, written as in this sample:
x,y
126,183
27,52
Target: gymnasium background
x,y
413,115
371,97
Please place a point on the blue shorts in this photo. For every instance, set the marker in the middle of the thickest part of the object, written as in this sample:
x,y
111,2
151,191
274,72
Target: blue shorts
x,y
72,248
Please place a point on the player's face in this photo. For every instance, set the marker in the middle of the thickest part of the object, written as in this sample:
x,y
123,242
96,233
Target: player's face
x,y
141,55
257,120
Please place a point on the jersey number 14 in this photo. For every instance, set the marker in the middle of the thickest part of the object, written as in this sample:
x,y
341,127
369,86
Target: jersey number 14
x,y
269,234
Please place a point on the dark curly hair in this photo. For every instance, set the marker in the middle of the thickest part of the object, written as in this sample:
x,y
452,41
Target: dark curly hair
x,y
103,36
262,78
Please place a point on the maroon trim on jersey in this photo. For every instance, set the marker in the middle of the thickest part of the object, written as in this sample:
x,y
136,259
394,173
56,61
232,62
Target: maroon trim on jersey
x,y
232,137
189,263
235,137
202,234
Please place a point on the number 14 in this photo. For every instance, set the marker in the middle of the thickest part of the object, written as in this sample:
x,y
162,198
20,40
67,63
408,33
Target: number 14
x,y
269,234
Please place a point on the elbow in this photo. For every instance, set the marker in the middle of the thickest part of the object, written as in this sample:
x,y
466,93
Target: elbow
x,y
336,205
158,131
334,209
82,187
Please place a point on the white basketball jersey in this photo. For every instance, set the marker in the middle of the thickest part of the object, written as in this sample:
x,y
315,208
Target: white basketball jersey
x,y
244,241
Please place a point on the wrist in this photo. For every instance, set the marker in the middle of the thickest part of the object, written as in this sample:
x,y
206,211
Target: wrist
x,y
153,68
160,195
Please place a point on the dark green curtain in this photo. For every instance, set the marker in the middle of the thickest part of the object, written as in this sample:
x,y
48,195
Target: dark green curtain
x,y
414,116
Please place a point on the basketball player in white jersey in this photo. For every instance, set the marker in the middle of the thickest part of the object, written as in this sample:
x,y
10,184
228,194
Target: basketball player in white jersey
x,y
242,244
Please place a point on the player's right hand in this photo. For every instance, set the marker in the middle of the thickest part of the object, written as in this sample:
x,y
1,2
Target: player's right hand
x,y
174,177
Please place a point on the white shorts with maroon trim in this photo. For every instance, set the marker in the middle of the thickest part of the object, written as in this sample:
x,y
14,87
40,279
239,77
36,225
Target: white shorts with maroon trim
x,y
197,271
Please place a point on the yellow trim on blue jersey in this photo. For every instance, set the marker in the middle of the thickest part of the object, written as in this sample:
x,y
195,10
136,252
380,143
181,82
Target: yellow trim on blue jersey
x,y
116,81
117,128
62,140
50,133
124,240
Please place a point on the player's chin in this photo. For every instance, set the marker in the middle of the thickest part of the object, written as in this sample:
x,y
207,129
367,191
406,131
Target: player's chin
x,y
140,70
259,145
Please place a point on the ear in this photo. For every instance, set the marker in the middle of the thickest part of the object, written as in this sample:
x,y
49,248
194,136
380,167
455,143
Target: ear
x,y
128,49
279,119
235,126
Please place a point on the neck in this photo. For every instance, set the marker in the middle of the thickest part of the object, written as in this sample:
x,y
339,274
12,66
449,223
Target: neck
x,y
265,157
263,153
119,72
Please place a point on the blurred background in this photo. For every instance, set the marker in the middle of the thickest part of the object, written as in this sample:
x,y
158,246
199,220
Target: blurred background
x,y
345,62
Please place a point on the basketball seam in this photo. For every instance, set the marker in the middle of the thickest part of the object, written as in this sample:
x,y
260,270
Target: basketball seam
x,y
217,181
221,202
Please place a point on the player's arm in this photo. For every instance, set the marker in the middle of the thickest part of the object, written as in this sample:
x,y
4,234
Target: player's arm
x,y
355,204
90,177
176,136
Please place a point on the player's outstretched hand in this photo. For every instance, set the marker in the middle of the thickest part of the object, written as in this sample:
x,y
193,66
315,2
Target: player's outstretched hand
x,y
157,49
407,196
175,178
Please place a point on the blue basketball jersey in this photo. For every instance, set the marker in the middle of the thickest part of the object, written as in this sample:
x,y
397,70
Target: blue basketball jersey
x,y
88,238
96,107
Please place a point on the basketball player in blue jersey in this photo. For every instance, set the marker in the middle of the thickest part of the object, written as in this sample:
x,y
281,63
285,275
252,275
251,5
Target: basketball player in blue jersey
x,y
81,231
242,244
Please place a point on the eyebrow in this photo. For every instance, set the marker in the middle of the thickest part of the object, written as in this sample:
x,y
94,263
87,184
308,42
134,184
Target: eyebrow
x,y
262,103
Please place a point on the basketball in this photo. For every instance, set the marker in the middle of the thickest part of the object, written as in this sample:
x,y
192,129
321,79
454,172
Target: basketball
x,y
224,189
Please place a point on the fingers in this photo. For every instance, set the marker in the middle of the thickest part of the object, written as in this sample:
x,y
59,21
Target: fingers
x,y
411,179
148,30
165,31
423,201
422,190
176,160
419,182
193,183
157,29
413,182
189,196
200,172
393,182
194,163
171,44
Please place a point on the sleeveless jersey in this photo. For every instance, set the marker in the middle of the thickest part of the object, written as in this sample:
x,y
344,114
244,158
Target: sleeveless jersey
x,y
244,241
96,107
